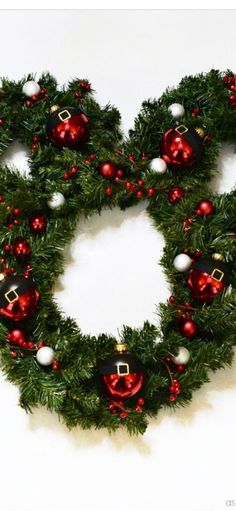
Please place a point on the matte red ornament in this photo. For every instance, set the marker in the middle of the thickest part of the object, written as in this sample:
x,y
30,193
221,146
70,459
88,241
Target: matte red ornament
x,y
108,191
38,223
21,249
18,298
122,374
67,127
205,207
107,169
208,278
176,194
181,147
189,328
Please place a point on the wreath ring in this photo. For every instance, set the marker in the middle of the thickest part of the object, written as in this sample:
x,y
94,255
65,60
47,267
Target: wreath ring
x,y
79,165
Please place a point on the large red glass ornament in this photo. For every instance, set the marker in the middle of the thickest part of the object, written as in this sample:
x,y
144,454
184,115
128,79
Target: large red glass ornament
x,y
18,298
208,278
67,127
181,147
189,328
122,374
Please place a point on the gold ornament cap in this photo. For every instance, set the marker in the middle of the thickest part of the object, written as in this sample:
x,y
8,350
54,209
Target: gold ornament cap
x,y
218,257
53,108
120,347
200,131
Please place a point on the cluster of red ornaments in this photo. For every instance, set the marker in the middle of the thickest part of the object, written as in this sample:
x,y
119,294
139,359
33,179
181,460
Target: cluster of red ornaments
x,y
230,82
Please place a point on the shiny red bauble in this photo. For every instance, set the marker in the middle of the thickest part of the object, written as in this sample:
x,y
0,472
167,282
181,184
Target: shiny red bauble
x,y
205,207
67,127
181,147
208,278
18,298
189,328
16,336
38,223
21,249
107,169
176,194
122,374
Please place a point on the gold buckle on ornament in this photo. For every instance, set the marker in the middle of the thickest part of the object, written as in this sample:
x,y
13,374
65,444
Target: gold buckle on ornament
x,y
66,114
220,275
124,371
11,292
181,129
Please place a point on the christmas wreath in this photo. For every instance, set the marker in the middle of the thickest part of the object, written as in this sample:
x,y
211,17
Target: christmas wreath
x,y
79,165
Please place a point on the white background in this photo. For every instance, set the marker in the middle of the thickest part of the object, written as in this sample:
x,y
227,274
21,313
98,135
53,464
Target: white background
x,y
186,460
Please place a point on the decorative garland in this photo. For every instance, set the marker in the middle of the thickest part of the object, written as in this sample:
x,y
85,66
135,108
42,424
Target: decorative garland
x,y
79,165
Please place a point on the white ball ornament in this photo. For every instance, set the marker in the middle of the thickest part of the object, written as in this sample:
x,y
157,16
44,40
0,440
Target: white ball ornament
x,y
31,88
45,356
182,262
56,201
177,110
158,165
182,357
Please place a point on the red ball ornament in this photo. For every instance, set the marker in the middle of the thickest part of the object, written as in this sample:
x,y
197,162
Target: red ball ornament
x,y
181,147
67,127
189,328
18,297
21,249
122,373
176,194
205,207
207,278
108,191
16,336
38,223
107,169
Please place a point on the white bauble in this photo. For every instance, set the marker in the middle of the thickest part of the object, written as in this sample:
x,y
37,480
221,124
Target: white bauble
x,y
158,165
45,356
176,110
31,88
182,357
182,262
56,201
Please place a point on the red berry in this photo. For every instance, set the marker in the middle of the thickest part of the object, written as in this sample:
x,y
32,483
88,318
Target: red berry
x,y
226,79
233,88
73,170
187,304
151,192
172,388
195,112
117,179
123,415
16,211
12,270
180,368
139,194
172,397
40,344
66,176
7,248
138,409
131,189
28,267
167,360
92,156
77,94
128,185
119,173
140,182
30,344
2,121
35,138
140,401
34,147
172,299
1,198
108,191
13,354
232,100
55,365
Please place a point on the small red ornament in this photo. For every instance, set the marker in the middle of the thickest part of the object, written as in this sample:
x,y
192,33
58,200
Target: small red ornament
x,y
7,248
122,373
38,223
176,194
172,300
189,328
232,100
16,336
181,147
18,298
1,198
205,207
2,121
151,192
108,191
208,277
195,112
66,176
107,169
21,249
67,127
139,194
119,173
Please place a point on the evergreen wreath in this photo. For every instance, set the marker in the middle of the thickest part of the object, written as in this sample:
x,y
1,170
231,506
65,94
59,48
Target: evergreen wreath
x,y
79,165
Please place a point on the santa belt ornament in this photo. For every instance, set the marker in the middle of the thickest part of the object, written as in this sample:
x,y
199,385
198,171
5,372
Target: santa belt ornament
x,y
122,368
218,270
192,137
12,295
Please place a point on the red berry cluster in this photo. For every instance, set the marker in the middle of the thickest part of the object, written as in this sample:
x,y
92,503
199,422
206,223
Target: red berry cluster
x,y
17,338
37,98
195,112
230,82
204,208
188,327
35,141
117,407
70,173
